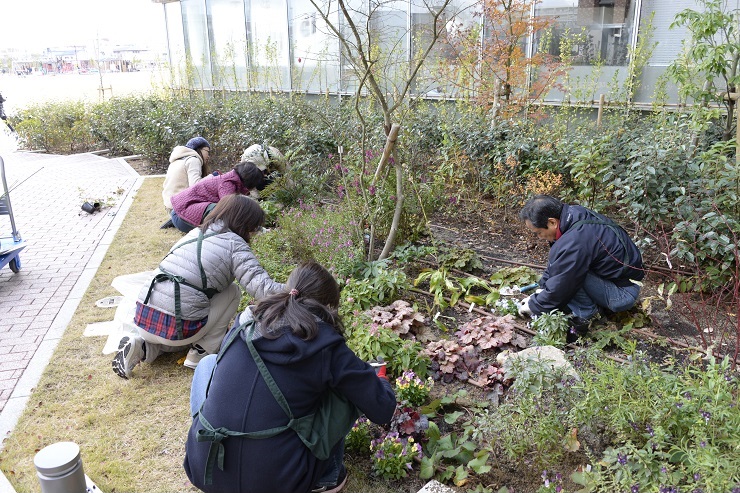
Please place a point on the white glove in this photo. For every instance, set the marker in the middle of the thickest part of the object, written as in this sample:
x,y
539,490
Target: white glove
x,y
523,307
539,291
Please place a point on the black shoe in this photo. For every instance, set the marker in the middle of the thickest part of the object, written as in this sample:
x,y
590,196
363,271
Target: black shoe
x,y
578,328
167,224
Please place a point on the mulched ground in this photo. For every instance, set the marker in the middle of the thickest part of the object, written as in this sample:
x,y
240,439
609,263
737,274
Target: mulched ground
x,y
693,320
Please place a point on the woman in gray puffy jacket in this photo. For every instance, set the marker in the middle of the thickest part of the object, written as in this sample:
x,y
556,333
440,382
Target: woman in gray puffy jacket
x,y
193,298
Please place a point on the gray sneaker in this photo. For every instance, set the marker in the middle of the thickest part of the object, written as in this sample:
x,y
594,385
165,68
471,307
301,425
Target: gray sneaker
x,y
131,351
195,354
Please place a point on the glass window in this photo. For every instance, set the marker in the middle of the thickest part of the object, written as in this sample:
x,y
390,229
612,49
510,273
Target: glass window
x,y
315,49
229,53
591,30
358,11
195,33
268,42
175,43
389,39
456,19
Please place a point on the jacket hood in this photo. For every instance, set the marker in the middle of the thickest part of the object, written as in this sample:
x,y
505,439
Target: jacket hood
x,y
180,152
288,348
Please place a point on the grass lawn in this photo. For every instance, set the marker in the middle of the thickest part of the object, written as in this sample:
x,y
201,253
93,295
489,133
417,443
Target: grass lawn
x,y
131,432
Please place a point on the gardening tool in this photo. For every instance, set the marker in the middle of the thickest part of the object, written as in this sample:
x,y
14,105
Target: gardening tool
x,y
515,290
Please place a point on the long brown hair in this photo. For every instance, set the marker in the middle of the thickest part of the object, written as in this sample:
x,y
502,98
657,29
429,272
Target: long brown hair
x,y
205,170
311,292
239,213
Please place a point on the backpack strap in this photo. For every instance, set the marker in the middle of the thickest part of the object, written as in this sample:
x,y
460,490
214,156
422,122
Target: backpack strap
x,y
168,276
618,231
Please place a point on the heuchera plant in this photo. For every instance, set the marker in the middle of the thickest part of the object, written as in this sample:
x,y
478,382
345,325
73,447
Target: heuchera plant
x,y
490,332
450,360
402,319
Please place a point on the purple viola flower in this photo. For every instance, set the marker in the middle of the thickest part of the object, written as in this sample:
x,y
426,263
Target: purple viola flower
x,y
635,488
622,459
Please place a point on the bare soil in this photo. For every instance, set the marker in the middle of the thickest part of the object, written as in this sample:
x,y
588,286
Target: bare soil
x,y
692,320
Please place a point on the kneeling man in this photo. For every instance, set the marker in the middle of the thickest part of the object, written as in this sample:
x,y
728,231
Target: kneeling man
x,y
591,266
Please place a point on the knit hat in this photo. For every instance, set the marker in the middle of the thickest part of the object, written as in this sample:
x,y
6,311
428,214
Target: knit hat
x,y
197,142
261,155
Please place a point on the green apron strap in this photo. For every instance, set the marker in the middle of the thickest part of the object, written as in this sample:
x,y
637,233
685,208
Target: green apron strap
x,y
279,397
164,275
216,435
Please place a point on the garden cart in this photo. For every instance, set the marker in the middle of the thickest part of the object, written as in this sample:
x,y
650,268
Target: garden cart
x,y
10,246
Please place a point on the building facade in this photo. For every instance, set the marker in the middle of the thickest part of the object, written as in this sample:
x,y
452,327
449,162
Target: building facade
x,y
286,45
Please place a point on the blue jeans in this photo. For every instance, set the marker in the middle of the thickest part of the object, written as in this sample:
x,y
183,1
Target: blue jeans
x,y
597,292
201,377
180,223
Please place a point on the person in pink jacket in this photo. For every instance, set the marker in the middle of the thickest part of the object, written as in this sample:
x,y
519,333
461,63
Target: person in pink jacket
x,y
191,206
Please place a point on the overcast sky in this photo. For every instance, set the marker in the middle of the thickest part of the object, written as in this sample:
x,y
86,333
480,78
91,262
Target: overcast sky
x,y
39,24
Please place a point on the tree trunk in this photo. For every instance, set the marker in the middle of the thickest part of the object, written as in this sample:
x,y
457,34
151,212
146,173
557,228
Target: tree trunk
x,y
391,239
390,143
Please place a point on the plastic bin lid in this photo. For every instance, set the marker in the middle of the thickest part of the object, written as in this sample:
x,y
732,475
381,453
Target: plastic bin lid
x,y
57,458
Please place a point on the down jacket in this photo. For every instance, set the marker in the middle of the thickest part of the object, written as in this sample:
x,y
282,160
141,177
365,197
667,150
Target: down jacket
x,y
185,170
225,257
607,252
239,400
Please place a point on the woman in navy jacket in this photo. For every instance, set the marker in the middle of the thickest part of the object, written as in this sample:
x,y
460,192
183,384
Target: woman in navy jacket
x,y
299,337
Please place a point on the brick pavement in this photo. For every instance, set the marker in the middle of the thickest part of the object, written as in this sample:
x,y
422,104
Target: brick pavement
x,y
64,249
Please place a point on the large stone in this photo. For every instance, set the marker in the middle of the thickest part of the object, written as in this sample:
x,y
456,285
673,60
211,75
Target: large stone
x,y
434,486
548,356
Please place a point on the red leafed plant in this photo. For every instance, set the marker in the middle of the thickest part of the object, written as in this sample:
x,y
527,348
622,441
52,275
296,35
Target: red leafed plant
x,y
402,319
450,360
490,332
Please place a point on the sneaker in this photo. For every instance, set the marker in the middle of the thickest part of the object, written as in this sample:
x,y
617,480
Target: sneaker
x,y
167,224
195,354
131,351
335,488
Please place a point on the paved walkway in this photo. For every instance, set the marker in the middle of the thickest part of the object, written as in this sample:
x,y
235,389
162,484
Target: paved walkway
x,y
65,246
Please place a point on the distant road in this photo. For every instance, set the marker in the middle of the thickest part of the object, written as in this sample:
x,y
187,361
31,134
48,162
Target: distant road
x,y
31,89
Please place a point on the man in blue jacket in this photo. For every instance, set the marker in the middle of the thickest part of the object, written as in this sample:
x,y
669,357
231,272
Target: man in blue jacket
x,y
593,264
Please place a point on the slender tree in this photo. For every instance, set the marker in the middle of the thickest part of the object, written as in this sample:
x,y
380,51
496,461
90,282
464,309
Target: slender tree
x,y
376,51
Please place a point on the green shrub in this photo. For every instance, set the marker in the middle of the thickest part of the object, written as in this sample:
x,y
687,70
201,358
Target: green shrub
x,y
57,127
